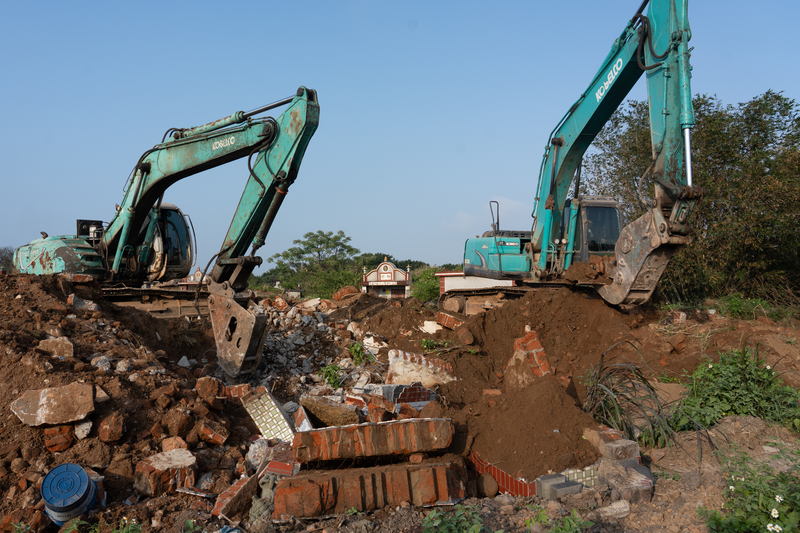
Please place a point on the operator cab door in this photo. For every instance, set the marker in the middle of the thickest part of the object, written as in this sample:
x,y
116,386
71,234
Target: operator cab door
x,y
173,251
597,227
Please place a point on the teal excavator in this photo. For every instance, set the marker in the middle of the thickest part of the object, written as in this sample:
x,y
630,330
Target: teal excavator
x,y
586,229
150,241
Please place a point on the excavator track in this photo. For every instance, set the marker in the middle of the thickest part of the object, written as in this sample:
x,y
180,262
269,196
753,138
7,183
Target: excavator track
x,y
160,302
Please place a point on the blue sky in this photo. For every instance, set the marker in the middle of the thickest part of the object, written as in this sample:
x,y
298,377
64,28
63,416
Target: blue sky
x,y
428,110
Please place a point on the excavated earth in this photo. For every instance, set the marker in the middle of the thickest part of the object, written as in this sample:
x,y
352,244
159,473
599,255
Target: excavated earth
x,y
527,432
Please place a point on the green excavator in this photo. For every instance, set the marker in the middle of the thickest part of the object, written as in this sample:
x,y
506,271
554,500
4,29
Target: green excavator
x,y
149,241
587,229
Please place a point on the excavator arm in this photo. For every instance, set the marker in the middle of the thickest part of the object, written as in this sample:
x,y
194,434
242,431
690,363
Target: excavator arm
x,y
129,248
655,44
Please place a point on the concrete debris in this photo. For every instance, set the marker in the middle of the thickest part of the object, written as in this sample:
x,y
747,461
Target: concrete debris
x,y
59,405
330,412
627,483
77,302
165,472
61,347
618,509
407,367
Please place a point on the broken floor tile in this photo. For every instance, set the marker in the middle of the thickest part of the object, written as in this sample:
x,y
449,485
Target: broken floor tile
x,y
59,405
324,493
269,417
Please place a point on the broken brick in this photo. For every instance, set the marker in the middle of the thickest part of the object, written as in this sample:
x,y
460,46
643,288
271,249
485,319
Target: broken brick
x,y
400,437
237,393
59,438
415,393
447,320
165,472
379,414
324,493
173,443
345,291
528,362
212,432
236,497
405,412
178,422
111,428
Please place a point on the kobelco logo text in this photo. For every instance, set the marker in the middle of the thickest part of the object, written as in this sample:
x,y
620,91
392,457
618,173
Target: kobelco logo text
x,y
222,143
612,74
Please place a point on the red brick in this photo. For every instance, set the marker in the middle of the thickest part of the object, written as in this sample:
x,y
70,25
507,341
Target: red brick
x,y
238,495
379,414
157,430
324,493
492,392
505,482
358,401
178,422
165,472
59,438
237,393
209,388
173,443
415,393
406,411
169,390
345,291
212,432
447,320
380,402
401,437
111,428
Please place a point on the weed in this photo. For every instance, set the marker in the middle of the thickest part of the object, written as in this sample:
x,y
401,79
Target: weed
x,y
540,518
428,344
186,336
463,519
359,355
19,527
331,375
741,383
663,378
127,526
619,396
572,523
737,306
190,526
758,497
353,512
74,525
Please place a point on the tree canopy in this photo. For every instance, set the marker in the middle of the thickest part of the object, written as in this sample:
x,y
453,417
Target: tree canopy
x,y
7,258
747,227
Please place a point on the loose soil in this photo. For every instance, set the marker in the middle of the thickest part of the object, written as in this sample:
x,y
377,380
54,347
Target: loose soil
x,y
528,433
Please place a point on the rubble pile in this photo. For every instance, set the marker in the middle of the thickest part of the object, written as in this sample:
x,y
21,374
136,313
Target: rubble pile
x,y
359,404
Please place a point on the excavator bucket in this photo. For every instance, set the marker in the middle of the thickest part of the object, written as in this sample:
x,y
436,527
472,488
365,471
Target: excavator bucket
x,y
641,260
239,334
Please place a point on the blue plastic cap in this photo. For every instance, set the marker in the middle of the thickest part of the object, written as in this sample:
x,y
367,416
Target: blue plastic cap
x,y
64,487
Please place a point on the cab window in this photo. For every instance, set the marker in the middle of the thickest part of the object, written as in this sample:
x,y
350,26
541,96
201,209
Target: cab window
x,y
602,228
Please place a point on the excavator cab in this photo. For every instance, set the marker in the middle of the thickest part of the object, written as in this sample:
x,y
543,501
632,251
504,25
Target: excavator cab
x,y
165,247
592,223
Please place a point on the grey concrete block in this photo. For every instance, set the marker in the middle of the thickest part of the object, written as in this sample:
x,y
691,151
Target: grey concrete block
x,y
644,471
630,463
544,483
559,490
620,450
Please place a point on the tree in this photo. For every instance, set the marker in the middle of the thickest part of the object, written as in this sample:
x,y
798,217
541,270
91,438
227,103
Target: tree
x,y
747,227
7,258
321,263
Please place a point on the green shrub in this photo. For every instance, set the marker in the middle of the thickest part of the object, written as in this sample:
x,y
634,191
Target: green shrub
x,y
741,383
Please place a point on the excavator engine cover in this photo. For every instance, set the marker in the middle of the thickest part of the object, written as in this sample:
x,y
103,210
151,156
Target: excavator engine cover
x,y
239,334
